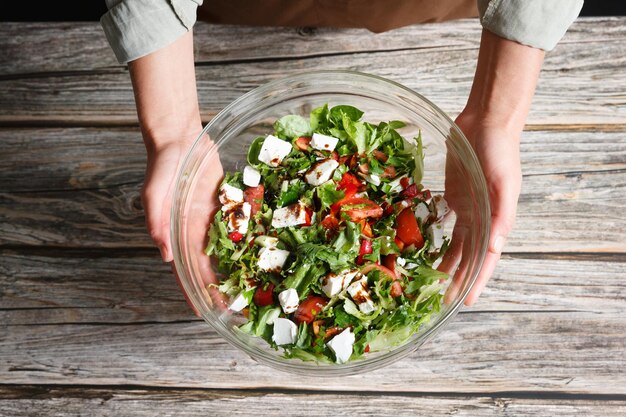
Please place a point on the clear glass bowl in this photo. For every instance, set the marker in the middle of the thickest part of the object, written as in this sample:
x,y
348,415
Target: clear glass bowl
x,y
222,146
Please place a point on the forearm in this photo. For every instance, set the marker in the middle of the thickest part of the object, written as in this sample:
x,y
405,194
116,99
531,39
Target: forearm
x,y
504,84
166,98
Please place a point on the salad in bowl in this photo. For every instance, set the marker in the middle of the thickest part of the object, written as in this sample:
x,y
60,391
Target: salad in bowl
x,y
326,242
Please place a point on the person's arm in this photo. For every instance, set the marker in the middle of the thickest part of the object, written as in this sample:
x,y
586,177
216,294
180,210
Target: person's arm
x,y
164,85
493,120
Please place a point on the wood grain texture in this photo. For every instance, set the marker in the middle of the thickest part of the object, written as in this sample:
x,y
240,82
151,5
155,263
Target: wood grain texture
x,y
566,91
581,212
46,159
85,287
562,351
63,402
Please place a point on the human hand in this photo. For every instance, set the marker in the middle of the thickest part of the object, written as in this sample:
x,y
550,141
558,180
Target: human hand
x,y
497,150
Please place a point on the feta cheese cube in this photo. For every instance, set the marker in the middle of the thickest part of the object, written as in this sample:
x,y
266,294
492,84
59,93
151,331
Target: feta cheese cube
x,y
289,300
333,284
285,331
239,303
272,259
321,171
341,345
274,150
359,292
229,196
422,213
238,218
439,206
291,215
435,234
323,142
373,179
401,261
251,177
411,265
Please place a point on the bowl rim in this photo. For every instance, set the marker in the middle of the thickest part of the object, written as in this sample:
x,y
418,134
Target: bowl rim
x,y
312,368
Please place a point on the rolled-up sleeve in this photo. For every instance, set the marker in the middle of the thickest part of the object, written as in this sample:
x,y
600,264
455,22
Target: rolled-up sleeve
x,y
135,28
537,23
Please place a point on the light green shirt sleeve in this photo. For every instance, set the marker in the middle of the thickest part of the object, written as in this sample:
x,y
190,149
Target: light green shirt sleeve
x,y
537,23
135,28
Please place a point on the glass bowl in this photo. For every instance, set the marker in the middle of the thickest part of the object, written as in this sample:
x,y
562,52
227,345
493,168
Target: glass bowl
x,y
450,167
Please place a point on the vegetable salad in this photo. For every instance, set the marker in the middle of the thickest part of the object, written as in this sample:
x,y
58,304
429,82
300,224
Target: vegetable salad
x,y
326,239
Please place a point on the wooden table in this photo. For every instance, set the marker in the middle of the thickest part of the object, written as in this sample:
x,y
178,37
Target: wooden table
x,y
93,323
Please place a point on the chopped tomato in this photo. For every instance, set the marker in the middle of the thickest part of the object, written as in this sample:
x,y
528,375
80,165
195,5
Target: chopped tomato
x,y
366,248
348,181
264,297
396,289
366,229
410,192
358,209
332,331
390,262
350,192
235,236
425,195
380,155
254,197
367,348
308,212
404,182
309,308
399,243
389,172
383,269
408,230
387,208
302,143
330,222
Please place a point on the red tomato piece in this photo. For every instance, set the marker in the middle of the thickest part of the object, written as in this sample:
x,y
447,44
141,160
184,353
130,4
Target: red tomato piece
x,y
410,192
383,269
330,222
380,155
366,229
389,172
366,248
308,212
399,243
358,209
254,197
235,236
407,229
367,348
348,181
404,182
396,289
303,142
264,297
390,262
309,308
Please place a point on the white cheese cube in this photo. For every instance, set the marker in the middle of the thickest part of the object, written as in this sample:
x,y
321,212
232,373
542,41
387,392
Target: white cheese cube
x,y
285,331
291,215
321,171
274,150
401,261
359,292
333,284
323,142
239,303
229,196
435,234
411,265
272,259
439,206
422,213
373,179
341,345
251,177
239,217
289,300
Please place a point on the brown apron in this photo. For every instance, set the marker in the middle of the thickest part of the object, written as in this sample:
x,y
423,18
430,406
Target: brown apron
x,y
375,15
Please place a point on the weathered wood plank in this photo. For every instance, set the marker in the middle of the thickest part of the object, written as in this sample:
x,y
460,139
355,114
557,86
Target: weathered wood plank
x,y
86,287
561,351
61,402
39,159
80,46
559,212
566,91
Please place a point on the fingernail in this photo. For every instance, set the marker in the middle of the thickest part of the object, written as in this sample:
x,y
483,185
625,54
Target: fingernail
x,y
163,251
498,244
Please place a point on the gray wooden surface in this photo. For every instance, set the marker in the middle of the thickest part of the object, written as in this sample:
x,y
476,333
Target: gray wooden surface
x,y
93,323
